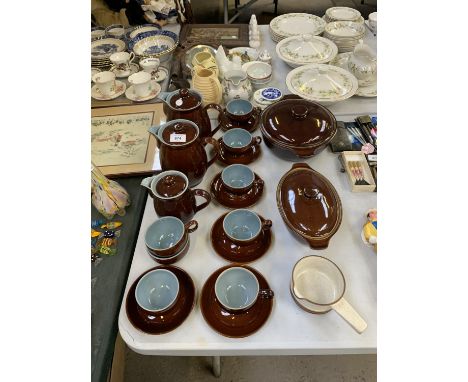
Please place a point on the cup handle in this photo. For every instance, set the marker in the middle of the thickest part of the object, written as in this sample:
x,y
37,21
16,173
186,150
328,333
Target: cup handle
x,y
266,293
257,110
191,226
257,141
266,225
215,143
203,194
260,183
132,57
347,312
221,113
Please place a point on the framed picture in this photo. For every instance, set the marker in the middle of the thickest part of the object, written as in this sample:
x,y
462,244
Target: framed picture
x,y
120,142
228,35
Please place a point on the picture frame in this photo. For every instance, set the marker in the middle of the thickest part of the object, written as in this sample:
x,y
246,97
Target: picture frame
x,y
120,142
228,35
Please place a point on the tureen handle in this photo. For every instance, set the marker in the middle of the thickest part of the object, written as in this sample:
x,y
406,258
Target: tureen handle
x,y
300,165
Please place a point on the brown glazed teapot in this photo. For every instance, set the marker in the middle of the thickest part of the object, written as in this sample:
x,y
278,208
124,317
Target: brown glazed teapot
x,y
172,196
187,104
181,149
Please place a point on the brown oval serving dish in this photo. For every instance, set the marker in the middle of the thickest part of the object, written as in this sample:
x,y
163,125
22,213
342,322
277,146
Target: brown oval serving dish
x,y
309,205
229,324
296,128
151,323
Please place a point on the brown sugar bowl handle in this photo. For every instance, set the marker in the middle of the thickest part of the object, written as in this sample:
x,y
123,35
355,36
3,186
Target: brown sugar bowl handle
x,y
191,226
221,113
266,293
259,183
203,194
217,147
266,225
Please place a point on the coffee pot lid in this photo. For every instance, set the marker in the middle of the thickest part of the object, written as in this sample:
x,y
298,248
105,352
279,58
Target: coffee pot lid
x,y
178,132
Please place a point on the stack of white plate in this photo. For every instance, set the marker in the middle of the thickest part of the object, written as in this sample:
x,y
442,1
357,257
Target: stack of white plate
x,y
343,14
345,34
294,24
102,49
306,49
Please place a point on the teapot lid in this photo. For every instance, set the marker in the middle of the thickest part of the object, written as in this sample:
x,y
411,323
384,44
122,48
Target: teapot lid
x,y
178,132
171,184
184,99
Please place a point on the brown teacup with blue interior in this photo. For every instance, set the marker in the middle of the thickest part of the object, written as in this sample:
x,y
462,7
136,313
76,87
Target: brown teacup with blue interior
x,y
237,141
244,226
239,179
239,110
168,235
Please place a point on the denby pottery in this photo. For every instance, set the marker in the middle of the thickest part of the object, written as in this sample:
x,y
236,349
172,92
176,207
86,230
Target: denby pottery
x,y
181,149
243,252
157,290
237,289
319,282
234,200
173,197
243,226
239,323
169,319
309,205
188,104
168,235
297,128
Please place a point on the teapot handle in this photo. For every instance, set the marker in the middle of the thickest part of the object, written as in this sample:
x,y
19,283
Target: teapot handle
x,y
217,147
221,114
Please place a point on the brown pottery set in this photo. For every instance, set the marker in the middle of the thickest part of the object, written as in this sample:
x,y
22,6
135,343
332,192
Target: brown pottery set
x,y
173,197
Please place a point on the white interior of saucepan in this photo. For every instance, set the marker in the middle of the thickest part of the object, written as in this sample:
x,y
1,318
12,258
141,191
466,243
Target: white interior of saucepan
x,y
318,280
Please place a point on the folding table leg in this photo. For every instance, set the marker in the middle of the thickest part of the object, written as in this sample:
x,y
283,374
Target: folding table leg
x,y
216,367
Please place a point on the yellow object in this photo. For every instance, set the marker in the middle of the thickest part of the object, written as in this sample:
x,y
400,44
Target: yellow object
x,y
369,230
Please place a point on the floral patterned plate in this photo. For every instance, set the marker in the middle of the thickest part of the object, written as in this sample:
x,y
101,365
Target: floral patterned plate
x,y
103,47
306,49
293,24
322,83
367,91
342,13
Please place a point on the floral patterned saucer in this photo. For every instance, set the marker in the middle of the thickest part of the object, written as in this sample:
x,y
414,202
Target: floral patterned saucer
x,y
155,90
118,91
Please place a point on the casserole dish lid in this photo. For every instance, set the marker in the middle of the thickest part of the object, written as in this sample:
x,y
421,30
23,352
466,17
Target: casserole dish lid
x,y
309,204
298,123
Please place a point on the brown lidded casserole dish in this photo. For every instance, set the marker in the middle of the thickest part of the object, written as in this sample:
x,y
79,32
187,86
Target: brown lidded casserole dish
x,y
309,205
295,128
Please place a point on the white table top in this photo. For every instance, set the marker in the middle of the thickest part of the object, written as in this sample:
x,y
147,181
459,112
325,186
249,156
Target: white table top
x,y
289,329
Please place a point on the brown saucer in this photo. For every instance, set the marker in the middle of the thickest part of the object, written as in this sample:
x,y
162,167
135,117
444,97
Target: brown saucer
x,y
164,322
246,157
239,253
231,200
250,125
229,324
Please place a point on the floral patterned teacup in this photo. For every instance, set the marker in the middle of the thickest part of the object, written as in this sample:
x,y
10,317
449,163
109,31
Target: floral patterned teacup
x,y
122,60
105,82
141,82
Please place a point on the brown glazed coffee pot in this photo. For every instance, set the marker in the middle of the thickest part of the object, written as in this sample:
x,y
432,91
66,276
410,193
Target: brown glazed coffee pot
x,y
187,104
181,149
172,196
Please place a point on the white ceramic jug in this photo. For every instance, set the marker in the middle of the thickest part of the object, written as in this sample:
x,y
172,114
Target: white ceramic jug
x,y
236,85
363,64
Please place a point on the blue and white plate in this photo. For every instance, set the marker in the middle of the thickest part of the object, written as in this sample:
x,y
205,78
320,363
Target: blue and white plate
x,y
103,47
153,43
